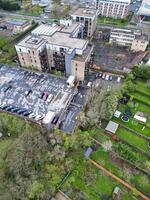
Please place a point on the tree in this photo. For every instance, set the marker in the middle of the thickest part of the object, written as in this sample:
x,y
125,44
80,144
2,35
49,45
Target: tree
x,y
142,71
101,104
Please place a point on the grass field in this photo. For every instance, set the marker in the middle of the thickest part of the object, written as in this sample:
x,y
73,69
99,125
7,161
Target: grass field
x,y
142,87
133,139
108,20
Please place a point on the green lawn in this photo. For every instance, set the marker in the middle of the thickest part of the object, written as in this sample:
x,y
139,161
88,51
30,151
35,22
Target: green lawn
x,y
132,124
133,139
108,20
141,97
142,87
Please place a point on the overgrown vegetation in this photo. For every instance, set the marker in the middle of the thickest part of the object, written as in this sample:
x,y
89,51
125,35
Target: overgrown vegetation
x,y
9,5
7,50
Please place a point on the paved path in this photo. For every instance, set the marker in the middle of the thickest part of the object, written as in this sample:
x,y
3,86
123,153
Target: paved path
x,y
118,179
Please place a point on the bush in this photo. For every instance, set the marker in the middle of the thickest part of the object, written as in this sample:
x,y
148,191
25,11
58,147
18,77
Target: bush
x,y
148,124
142,71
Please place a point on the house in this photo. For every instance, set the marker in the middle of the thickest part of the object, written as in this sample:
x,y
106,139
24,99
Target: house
x,y
18,26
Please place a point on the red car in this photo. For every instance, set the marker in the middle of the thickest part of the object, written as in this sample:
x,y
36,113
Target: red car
x,y
44,96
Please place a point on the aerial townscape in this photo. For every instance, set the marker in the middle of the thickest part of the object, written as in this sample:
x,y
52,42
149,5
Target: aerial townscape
x,y
74,100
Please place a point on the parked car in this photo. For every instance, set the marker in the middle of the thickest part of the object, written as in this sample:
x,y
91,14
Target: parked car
x,y
39,117
118,79
2,105
32,115
44,96
28,92
21,111
26,113
5,106
15,109
9,108
49,98
89,84
55,120
107,77
103,77
110,78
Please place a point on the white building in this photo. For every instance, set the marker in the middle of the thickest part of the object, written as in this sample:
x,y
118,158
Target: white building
x,y
123,37
132,38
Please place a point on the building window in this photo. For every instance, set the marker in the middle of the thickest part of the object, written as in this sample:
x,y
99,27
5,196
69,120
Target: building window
x,y
33,52
28,51
61,49
77,19
76,69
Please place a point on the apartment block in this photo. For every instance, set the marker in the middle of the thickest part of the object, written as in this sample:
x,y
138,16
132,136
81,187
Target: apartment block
x,y
57,47
113,8
88,17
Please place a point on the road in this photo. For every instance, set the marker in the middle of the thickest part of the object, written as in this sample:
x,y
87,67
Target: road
x,y
14,14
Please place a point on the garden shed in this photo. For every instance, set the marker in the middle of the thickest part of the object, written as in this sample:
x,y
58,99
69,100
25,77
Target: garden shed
x,y
112,127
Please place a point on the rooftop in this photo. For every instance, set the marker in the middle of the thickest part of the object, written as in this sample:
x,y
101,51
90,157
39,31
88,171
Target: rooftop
x,y
145,8
142,37
31,42
46,29
64,39
18,22
70,29
85,54
119,1
85,12
112,127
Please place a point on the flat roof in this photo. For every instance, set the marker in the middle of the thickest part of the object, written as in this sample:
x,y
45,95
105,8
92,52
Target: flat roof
x,y
46,29
70,29
112,127
145,8
31,42
85,12
64,39
17,22
85,54
142,37
117,1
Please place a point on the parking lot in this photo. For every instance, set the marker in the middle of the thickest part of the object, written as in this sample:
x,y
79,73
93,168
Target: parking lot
x,y
33,95
109,57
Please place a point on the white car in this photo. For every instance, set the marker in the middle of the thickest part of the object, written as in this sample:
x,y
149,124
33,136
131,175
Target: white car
x,y
39,117
49,98
118,79
89,84
107,77
32,115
